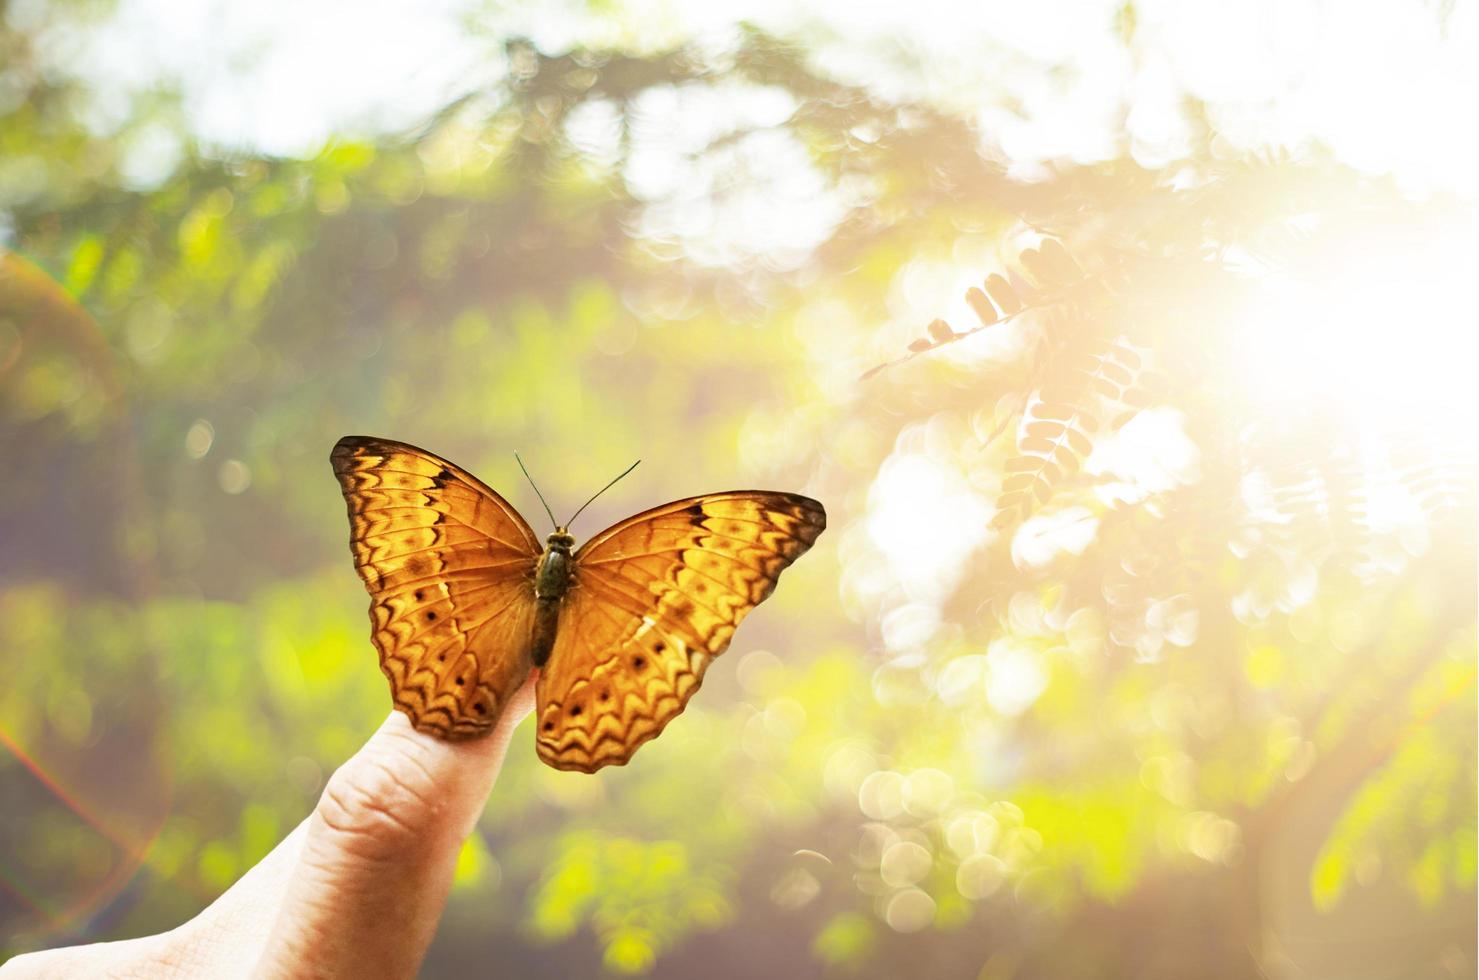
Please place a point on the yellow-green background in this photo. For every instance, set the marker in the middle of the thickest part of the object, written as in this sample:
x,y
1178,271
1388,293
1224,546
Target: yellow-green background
x,y
1230,730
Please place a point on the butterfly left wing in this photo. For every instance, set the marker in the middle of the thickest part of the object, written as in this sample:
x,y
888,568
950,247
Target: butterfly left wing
x,y
449,565
654,600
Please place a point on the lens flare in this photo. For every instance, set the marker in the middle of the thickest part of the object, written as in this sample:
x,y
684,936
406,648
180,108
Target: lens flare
x,y
128,856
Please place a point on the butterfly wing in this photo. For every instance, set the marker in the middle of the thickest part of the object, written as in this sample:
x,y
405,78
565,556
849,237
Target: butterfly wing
x,y
449,566
654,600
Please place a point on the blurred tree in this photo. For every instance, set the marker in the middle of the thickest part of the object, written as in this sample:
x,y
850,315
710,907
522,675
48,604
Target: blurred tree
x,y
1203,657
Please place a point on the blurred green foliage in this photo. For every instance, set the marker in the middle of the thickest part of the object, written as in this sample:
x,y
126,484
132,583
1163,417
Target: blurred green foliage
x,y
1173,748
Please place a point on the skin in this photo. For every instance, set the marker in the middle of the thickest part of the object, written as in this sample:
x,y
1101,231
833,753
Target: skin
x,y
355,890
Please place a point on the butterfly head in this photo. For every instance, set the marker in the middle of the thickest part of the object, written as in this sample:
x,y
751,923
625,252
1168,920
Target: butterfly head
x,y
560,540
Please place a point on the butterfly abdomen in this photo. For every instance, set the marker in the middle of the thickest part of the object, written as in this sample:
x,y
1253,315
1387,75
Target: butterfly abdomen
x,y
551,582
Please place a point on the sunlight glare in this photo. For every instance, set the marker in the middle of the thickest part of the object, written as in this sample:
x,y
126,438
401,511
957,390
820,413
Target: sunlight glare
x,y
925,520
1043,537
1149,454
1015,676
1382,338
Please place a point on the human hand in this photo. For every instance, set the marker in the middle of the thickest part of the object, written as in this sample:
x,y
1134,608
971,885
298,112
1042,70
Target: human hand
x,y
354,891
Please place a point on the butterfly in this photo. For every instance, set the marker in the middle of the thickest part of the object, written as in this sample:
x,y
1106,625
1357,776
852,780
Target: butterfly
x,y
465,602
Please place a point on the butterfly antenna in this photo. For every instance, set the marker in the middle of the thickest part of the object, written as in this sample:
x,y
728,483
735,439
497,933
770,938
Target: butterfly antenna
x,y
599,492
536,490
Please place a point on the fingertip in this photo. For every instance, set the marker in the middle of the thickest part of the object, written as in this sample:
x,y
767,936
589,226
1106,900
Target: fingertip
x,y
442,781
384,840
520,703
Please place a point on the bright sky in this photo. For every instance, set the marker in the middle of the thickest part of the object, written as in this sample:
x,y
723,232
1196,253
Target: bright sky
x,y
1370,79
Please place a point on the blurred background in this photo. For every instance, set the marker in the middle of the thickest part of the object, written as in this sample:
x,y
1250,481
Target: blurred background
x,y
1142,642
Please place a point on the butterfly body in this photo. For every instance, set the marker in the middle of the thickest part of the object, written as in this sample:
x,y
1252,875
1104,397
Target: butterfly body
x,y
465,603
551,582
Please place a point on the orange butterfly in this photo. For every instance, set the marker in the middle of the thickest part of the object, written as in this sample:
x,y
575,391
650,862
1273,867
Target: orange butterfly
x,y
464,602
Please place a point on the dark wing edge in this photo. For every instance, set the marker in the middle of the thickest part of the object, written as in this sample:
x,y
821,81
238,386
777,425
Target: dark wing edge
x,y
349,447
811,509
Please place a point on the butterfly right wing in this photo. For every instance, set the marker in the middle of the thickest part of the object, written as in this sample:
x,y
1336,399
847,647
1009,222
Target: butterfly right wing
x,y
449,566
655,599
